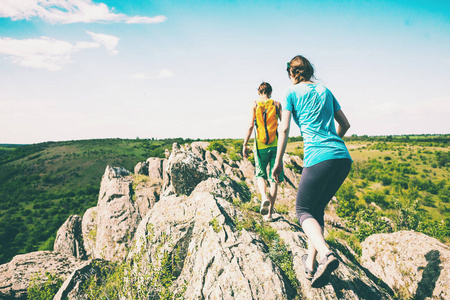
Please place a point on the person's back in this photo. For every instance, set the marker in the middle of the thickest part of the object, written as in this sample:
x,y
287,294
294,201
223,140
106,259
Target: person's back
x,y
313,107
265,113
326,161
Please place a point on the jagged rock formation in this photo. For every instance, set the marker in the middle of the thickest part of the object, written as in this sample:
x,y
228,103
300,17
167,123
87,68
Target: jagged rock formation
x,y
69,238
187,210
117,215
413,264
15,276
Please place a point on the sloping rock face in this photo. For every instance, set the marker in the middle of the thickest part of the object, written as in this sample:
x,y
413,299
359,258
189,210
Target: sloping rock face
x,y
72,288
213,257
117,216
413,264
216,262
69,238
16,275
89,230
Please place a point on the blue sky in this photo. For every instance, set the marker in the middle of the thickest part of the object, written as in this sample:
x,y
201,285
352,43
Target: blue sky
x,y
83,69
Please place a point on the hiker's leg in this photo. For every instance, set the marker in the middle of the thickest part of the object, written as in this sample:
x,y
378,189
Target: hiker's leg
x,y
262,187
340,169
261,161
273,185
311,188
312,254
272,196
316,242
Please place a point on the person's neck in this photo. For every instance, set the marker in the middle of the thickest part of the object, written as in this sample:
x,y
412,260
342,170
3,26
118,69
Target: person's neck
x,y
264,97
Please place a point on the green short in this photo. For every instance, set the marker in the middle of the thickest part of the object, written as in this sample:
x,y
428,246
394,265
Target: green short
x,y
264,157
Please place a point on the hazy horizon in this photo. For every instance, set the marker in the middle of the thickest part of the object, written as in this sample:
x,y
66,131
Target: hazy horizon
x,y
83,69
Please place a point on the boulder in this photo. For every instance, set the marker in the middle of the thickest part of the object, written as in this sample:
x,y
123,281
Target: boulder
x,y
146,194
72,288
214,158
155,167
89,230
217,261
141,168
348,281
199,148
184,171
17,275
117,215
69,238
413,264
247,168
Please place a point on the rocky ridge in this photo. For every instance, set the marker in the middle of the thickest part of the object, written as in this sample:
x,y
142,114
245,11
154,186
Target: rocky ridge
x,y
188,212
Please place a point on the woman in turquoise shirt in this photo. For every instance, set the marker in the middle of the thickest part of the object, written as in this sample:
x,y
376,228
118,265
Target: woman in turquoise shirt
x,y
327,161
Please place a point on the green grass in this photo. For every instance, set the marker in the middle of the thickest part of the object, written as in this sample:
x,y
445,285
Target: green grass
x,y
42,184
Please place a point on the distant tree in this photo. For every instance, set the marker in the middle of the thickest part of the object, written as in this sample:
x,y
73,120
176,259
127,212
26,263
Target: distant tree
x,y
217,145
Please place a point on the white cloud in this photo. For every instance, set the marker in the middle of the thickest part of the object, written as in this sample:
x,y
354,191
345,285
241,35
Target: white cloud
x,y
68,11
161,75
109,41
145,20
48,53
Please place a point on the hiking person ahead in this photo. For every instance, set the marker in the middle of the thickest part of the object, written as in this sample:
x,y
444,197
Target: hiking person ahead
x,y
264,117
327,161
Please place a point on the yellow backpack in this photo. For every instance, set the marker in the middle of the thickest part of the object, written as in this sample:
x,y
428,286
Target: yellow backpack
x,y
266,121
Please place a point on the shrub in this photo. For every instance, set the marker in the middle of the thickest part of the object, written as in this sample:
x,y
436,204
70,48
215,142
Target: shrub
x,y
347,199
44,288
140,278
218,146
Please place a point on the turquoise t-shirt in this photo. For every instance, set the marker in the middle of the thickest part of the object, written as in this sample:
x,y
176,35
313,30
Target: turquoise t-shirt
x,y
313,107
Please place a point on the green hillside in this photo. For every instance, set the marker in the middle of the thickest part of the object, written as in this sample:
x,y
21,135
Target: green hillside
x,y
42,184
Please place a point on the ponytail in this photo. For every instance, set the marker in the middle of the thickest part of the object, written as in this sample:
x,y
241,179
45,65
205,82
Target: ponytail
x,y
301,69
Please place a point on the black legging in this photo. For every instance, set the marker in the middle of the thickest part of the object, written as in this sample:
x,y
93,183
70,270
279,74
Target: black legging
x,y
317,186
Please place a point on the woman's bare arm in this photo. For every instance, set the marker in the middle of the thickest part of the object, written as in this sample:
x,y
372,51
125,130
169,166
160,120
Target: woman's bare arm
x,y
343,124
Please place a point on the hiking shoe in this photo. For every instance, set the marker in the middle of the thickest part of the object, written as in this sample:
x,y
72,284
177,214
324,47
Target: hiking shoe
x,y
265,207
326,266
309,274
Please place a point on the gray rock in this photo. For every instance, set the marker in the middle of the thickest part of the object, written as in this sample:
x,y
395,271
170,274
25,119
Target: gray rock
x,y
141,168
247,169
291,174
184,171
199,148
349,281
89,230
413,264
146,194
217,260
117,216
214,158
16,275
69,238
72,288
155,167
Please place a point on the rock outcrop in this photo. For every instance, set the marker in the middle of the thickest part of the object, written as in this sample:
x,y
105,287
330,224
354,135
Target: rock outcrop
x,y
184,171
184,226
69,238
15,276
413,264
117,216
